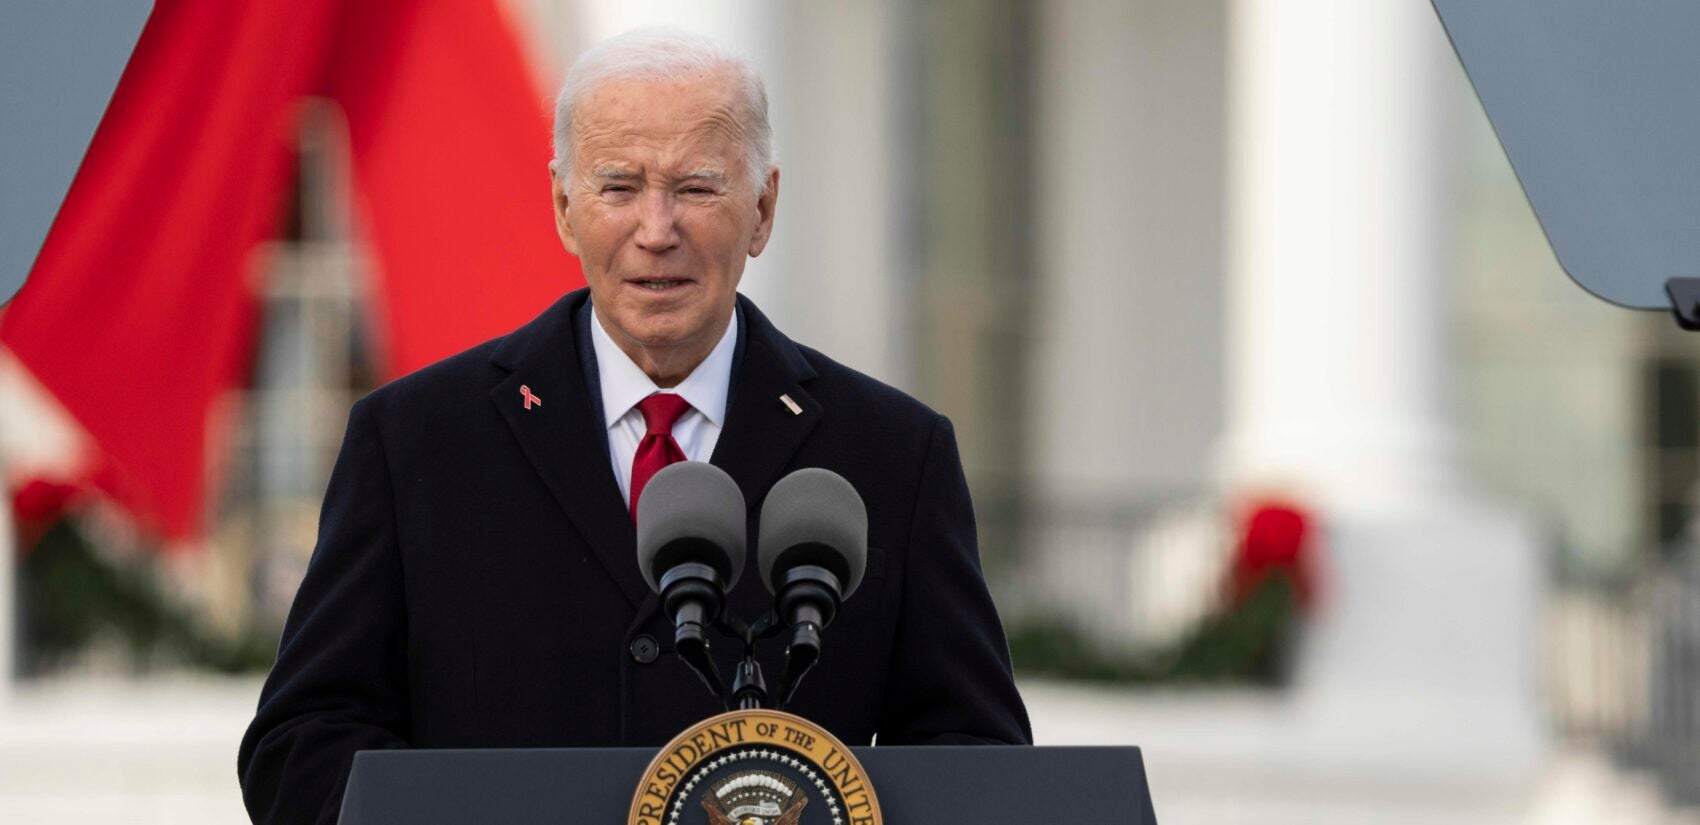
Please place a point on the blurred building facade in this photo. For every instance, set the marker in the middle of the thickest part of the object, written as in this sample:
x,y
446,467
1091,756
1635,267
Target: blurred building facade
x,y
1154,258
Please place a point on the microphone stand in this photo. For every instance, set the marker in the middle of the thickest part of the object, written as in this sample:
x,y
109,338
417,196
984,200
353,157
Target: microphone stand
x,y
749,687
812,596
801,653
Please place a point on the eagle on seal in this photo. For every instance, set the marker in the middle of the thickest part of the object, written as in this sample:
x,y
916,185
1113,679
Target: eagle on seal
x,y
755,798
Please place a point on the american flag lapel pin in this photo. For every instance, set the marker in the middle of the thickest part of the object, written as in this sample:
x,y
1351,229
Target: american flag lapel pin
x,y
525,393
790,405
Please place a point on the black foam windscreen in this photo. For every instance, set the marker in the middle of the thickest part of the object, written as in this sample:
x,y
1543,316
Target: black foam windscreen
x,y
813,516
691,511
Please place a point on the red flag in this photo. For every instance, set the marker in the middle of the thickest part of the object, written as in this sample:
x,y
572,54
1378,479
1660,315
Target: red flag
x,y
451,154
140,312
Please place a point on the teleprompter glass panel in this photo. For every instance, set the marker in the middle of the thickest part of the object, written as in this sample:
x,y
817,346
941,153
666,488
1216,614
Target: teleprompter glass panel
x,y
1597,105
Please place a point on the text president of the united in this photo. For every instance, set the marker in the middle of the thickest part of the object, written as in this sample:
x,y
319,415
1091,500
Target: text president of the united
x,y
475,584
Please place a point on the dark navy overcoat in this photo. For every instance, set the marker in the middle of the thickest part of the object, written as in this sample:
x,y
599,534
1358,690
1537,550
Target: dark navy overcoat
x,y
475,583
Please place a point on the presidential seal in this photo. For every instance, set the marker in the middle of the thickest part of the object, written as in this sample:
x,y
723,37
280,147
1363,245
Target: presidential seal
x,y
755,767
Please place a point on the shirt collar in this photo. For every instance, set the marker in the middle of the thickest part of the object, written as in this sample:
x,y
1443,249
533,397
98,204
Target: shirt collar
x,y
624,383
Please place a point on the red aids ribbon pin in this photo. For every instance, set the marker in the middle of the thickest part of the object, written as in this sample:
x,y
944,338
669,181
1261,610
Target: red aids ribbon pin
x,y
525,393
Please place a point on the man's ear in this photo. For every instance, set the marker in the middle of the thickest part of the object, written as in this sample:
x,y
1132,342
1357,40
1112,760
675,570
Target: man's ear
x,y
563,227
765,205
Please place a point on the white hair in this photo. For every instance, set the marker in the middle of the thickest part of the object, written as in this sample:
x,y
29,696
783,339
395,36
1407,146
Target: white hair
x,y
666,53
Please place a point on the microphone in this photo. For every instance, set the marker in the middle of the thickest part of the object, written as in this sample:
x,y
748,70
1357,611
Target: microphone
x,y
812,552
690,548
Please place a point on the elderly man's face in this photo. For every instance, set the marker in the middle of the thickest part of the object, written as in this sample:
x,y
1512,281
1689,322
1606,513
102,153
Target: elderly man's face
x,y
661,214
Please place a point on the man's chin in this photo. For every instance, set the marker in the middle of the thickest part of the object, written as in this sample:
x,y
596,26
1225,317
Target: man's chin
x,y
659,334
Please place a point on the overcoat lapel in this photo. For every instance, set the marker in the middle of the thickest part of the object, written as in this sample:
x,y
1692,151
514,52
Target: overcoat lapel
x,y
565,440
564,437
762,432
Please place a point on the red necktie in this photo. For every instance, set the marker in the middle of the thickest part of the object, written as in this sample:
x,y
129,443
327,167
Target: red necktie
x,y
657,449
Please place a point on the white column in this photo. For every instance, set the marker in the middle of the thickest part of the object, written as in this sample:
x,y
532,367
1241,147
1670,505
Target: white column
x,y
1340,151
841,205
1124,406
1126,369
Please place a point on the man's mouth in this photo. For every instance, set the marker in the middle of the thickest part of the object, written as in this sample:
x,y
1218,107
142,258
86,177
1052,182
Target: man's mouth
x,y
659,284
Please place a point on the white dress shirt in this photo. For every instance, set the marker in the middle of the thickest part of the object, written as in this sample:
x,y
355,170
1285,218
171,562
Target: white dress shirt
x,y
624,384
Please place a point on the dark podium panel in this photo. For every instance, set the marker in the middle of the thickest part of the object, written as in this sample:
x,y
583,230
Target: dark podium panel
x,y
594,786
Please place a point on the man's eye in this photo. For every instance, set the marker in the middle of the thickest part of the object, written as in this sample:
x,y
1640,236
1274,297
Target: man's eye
x,y
698,190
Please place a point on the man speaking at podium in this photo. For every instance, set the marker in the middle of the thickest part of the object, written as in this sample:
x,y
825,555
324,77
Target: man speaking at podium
x,y
475,583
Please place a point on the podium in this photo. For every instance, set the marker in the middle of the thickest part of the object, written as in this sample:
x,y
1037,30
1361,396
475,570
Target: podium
x,y
594,786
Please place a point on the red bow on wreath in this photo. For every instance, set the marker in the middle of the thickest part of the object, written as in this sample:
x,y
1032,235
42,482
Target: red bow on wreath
x,y
1277,540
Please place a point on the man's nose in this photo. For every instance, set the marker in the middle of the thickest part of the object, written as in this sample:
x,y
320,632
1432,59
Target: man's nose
x,y
658,223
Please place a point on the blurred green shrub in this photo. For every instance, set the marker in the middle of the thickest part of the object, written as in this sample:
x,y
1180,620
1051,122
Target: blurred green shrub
x,y
1252,642
74,599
